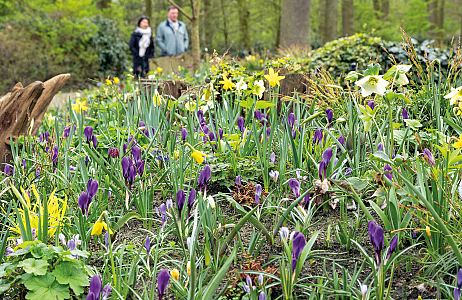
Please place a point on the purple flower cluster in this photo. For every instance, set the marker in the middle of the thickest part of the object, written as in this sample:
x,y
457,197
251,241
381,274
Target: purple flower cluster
x,y
95,292
91,138
204,177
377,239
86,197
132,167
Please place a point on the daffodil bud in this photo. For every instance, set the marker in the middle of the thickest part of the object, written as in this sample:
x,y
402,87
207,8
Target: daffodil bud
x,y
211,202
427,230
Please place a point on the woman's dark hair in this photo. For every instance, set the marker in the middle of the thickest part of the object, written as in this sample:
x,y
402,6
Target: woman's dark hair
x,y
142,18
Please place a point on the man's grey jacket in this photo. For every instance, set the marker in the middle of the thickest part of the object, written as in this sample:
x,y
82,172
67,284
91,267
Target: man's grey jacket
x,y
168,42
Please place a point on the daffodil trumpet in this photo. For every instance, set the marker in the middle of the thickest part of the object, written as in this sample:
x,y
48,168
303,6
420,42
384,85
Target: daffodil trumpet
x,y
100,224
197,155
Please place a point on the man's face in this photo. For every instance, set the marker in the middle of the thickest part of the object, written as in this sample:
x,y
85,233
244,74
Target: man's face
x,y
173,14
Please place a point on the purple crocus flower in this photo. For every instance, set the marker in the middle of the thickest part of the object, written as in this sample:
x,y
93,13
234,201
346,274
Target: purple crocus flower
x,y
348,171
88,132
162,280
307,201
330,116
459,285
92,188
238,182
106,240
113,152
380,147
389,172
291,119
47,136
258,190
295,186
240,124
204,178
392,247
200,114
131,176
317,137
298,243
7,170
95,141
341,140
67,131
326,157
248,280
376,238
205,129
405,114
124,148
83,201
428,156
8,251
131,141
220,133
262,296
180,200
258,115
212,136
136,152
284,233
147,244
371,104
95,288
191,198
184,134
106,291
162,213
126,164
268,133
260,279
246,289
140,167
273,157
40,138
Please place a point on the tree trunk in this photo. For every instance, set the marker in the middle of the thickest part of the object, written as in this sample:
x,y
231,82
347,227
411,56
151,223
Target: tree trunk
x,y
244,16
277,6
195,38
102,4
376,4
295,23
348,18
440,35
331,20
207,24
432,9
225,23
385,10
149,9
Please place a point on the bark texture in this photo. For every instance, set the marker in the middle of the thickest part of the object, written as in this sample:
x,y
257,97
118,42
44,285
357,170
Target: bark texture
x,y
295,23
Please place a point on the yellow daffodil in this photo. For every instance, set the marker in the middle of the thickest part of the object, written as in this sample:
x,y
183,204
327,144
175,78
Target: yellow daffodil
x,y
227,84
108,82
99,225
455,95
261,61
159,69
188,268
458,144
273,78
177,154
197,155
253,58
79,105
175,274
116,80
260,88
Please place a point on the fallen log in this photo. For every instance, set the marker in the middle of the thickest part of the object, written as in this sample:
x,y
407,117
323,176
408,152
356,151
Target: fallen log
x,y
20,107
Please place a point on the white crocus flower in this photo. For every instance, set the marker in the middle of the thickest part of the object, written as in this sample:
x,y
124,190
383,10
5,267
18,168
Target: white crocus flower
x,y
454,95
372,84
261,88
241,85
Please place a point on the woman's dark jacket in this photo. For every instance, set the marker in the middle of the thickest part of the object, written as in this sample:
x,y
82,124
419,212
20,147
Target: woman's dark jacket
x,y
135,46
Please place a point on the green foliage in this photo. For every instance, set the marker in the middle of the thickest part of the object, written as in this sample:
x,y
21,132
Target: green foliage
x,y
44,272
338,55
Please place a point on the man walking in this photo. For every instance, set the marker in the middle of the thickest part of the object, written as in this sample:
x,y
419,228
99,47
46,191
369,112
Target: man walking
x,y
172,36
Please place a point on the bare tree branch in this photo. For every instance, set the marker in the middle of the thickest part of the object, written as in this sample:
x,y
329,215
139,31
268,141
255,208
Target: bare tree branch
x,y
180,9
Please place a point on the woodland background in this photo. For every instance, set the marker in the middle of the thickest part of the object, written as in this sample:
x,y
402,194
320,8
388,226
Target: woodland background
x,y
88,38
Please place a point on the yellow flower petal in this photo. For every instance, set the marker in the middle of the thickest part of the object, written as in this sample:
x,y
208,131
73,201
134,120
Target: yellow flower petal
x,y
227,84
198,156
108,82
458,144
159,69
273,78
175,274
116,80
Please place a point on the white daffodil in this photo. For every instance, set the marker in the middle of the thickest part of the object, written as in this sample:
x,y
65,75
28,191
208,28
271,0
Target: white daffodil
x,y
402,79
372,84
260,89
241,85
152,76
455,95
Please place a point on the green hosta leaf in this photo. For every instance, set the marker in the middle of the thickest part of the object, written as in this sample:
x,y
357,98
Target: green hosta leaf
x,y
35,266
46,287
67,273
263,104
381,157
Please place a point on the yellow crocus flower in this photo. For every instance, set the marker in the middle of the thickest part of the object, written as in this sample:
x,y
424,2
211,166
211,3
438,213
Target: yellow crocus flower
x,y
116,80
175,274
188,268
79,105
159,69
273,78
227,84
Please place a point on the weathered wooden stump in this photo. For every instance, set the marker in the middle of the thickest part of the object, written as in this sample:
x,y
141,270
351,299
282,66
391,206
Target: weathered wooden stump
x,y
172,88
20,107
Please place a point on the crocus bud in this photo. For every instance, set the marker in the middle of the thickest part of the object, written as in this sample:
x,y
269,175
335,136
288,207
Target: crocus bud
x,y
284,233
262,296
175,274
95,141
258,190
291,119
147,244
88,132
248,280
240,123
260,279
364,291
184,134
162,280
295,186
371,104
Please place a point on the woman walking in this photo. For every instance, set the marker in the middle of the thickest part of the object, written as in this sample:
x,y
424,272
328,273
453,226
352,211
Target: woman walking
x,y
142,47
